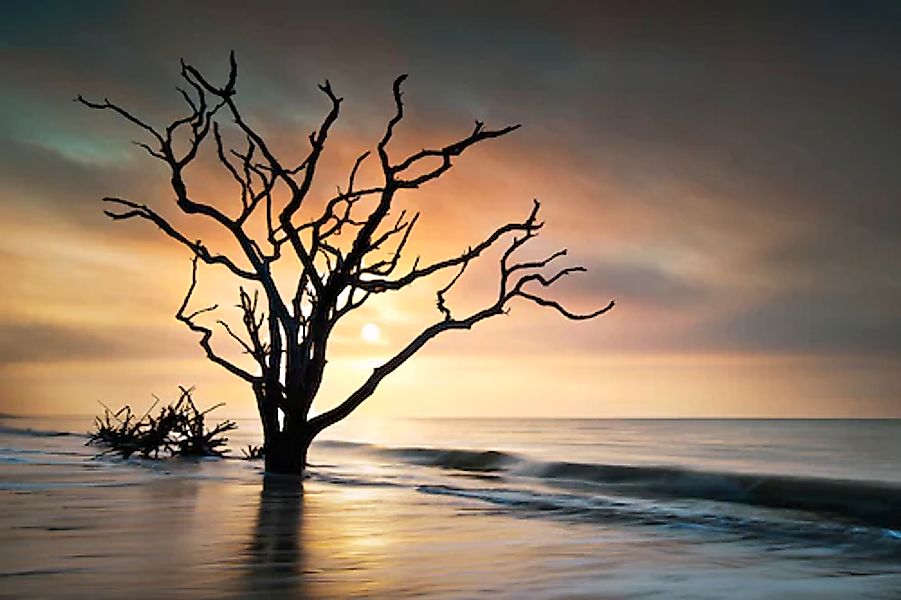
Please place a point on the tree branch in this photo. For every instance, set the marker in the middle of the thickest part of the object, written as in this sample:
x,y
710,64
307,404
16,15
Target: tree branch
x,y
200,251
379,285
530,226
206,332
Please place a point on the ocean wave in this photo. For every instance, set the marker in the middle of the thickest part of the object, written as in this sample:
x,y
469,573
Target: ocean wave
x,y
871,503
27,431
463,460
340,444
599,509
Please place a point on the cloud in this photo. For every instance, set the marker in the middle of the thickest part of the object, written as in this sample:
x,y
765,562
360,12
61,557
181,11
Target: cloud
x,y
807,324
729,175
42,342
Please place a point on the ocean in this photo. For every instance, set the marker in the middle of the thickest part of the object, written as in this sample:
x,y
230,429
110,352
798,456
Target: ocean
x,y
465,508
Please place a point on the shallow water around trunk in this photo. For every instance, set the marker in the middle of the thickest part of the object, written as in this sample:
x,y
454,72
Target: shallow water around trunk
x,y
463,509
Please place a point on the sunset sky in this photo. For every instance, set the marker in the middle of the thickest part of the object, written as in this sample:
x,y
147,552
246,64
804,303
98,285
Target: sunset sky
x,y
730,176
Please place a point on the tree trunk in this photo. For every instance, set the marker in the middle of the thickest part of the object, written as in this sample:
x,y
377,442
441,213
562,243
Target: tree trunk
x,y
286,450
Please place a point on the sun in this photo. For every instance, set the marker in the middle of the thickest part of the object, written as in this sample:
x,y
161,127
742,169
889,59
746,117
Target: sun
x,y
370,333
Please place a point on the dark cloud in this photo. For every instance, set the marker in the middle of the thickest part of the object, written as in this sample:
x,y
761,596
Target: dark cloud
x,y
808,324
641,286
47,342
41,342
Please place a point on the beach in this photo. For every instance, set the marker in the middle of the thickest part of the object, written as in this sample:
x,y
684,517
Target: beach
x,y
464,509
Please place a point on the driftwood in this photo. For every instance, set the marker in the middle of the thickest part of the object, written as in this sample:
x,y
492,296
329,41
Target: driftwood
x,y
252,452
179,430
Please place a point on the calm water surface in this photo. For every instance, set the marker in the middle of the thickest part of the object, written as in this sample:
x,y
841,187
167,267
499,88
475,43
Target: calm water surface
x,y
465,509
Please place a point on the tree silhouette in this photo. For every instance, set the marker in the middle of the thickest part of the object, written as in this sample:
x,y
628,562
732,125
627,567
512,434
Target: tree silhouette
x,y
342,254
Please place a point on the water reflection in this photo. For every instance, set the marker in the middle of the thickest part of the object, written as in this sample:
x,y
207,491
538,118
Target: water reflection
x,y
274,554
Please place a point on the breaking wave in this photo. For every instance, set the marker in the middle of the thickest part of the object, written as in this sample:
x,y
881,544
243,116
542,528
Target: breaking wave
x,y
463,460
870,503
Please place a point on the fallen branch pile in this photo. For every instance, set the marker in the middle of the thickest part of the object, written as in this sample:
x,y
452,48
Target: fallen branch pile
x,y
178,430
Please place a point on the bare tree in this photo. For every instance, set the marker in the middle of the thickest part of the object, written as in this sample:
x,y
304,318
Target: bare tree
x,y
343,253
